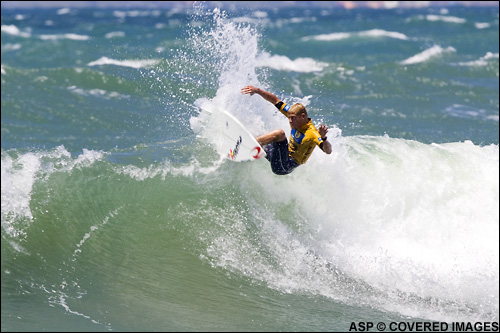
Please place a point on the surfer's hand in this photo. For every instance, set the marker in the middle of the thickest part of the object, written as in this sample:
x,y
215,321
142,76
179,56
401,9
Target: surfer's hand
x,y
264,94
323,129
249,90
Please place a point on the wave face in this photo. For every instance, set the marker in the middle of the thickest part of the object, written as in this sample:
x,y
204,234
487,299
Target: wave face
x,y
117,213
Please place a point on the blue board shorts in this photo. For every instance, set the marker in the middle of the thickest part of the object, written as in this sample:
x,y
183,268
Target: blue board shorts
x,y
277,155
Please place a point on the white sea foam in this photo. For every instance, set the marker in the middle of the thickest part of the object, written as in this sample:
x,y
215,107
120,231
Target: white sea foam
x,y
283,63
63,11
136,13
374,33
483,61
125,63
165,169
482,25
392,224
19,174
444,18
115,34
432,52
18,177
65,36
13,30
11,47
468,112
97,92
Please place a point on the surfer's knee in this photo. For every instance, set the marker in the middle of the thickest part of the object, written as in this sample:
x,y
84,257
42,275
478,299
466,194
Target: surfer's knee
x,y
273,136
279,135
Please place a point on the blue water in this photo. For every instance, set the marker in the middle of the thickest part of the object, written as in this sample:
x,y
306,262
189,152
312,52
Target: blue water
x,y
118,214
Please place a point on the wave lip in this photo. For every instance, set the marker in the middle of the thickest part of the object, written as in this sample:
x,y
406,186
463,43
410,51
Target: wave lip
x,y
302,65
432,52
14,31
65,36
444,18
374,33
125,63
21,173
482,61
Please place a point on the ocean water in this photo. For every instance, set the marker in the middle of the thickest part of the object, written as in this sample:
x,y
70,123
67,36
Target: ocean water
x,y
118,214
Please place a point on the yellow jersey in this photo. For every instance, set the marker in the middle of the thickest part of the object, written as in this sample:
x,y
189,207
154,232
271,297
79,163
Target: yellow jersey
x,y
302,140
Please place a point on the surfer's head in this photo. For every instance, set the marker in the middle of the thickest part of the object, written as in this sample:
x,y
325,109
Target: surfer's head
x,y
297,115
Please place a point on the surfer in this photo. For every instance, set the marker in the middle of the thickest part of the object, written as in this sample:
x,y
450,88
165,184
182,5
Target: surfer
x,y
285,156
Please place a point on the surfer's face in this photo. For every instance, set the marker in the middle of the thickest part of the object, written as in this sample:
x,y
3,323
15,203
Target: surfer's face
x,y
297,119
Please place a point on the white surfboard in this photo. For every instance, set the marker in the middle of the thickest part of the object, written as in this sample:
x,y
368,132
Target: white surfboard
x,y
233,139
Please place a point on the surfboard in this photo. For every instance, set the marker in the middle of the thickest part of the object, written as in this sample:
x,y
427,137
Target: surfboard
x,y
233,140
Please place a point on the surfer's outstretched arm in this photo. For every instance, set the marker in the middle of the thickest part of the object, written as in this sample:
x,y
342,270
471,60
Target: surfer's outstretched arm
x,y
265,94
326,146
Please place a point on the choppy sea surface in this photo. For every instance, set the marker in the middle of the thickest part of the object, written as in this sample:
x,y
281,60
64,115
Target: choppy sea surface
x,y
118,214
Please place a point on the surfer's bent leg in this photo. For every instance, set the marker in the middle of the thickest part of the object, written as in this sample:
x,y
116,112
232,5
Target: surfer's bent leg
x,y
273,136
277,155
